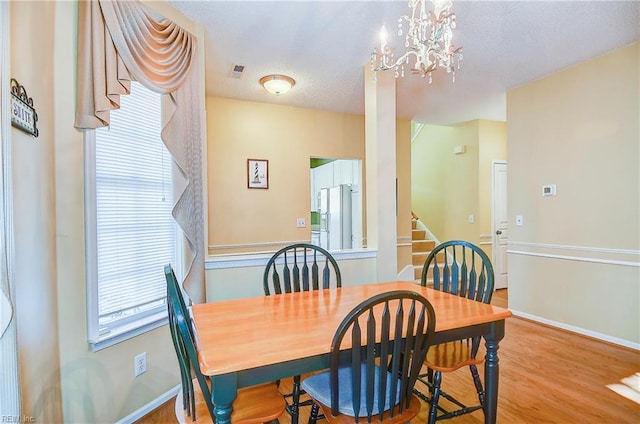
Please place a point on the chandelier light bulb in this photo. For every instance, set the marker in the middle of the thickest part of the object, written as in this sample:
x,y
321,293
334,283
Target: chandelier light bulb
x,y
384,36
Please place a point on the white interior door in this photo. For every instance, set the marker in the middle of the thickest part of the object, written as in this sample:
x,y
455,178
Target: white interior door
x,y
500,229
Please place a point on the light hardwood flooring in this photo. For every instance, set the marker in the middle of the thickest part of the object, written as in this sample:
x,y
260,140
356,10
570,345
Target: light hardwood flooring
x,y
546,376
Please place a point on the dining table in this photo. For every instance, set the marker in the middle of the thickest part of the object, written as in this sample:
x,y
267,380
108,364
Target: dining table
x,y
254,340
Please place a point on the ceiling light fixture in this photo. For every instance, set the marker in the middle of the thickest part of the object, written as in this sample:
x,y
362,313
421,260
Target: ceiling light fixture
x,y
428,40
277,84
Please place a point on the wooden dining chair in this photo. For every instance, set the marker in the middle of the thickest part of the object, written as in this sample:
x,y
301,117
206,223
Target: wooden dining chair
x,y
257,404
376,356
463,269
300,267
294,268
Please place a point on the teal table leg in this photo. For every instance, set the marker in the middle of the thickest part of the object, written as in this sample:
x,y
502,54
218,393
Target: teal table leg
x,y
224,390
491,372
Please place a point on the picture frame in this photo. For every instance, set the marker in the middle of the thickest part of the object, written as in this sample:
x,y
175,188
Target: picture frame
x,y
258,173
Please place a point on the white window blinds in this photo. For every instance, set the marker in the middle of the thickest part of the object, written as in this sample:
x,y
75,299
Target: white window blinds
x,y
135,234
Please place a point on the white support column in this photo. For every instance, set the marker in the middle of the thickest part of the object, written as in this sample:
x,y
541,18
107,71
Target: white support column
x,y
380,155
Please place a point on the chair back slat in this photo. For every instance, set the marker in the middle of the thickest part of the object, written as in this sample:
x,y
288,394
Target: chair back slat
x,y
385,326
464,275
326,275
384,360
277,288
314,273
370,364
299,267
286,273
446,274
305,273
295,272
455,275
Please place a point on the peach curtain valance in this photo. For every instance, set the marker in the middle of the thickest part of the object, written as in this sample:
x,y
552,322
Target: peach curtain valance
x,y
121,41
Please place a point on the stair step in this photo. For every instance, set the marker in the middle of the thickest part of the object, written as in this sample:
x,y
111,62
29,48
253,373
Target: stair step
x,y
418,234
418,258
417,272
423,245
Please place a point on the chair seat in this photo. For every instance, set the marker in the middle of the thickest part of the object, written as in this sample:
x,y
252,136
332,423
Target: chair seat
x,y
406,415
447,357
319,388
255,404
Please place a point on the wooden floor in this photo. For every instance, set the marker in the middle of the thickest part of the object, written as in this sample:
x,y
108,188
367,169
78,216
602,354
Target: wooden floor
x,y
546,376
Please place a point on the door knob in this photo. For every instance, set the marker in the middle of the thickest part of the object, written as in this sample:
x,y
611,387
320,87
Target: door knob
x,y
498,232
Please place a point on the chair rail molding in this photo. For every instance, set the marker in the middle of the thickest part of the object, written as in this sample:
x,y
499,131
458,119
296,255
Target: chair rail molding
x,y
403,241
250,245
241,260
586,249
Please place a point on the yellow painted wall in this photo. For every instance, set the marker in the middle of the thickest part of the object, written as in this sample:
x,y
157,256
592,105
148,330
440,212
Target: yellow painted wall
x,y
579,129
254,220
447,187
285,136
62,380
428,175
32,57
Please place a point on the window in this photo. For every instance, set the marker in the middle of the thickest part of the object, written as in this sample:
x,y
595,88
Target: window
x,y
131,234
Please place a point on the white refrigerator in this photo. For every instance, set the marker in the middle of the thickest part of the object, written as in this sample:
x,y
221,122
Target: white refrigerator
x,y
335,217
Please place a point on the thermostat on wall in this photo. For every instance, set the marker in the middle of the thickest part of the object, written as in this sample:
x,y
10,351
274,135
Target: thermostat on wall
x,y
549,190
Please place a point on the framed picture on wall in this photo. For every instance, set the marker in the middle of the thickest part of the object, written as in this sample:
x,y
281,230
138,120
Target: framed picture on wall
x,y
257,173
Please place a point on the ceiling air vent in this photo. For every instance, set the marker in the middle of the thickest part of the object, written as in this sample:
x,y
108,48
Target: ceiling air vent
x,y
236,71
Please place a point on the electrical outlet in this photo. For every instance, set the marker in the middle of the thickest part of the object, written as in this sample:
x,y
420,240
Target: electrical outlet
x,y
140,364
301,223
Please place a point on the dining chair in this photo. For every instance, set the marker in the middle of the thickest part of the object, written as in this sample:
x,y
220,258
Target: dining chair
x,y
463,269
256,404
300,267
294,268
376,355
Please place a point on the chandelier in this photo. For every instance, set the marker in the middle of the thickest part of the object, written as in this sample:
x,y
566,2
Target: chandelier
x,y
428,42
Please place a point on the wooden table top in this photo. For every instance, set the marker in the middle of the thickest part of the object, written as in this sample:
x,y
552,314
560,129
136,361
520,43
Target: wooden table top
x,y
247,333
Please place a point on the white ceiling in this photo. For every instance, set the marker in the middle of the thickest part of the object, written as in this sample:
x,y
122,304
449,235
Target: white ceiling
x,y
325,45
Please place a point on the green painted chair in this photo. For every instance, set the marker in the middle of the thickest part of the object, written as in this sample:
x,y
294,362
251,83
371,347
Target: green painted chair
x,y
256,404
463,269
295,268
376,356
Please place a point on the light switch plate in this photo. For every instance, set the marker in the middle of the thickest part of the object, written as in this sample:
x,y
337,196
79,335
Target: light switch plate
x,y
301,223
519,220
549,190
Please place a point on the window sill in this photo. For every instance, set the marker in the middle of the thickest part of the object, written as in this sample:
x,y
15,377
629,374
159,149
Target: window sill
x,y
128,331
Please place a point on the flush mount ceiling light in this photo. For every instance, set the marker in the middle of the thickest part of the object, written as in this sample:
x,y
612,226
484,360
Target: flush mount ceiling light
x,y
277,84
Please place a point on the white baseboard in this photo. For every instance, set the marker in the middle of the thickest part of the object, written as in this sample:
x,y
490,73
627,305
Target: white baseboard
x,y
595,335
154,404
